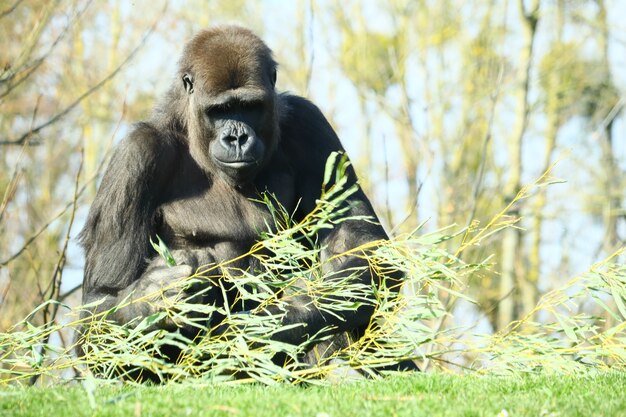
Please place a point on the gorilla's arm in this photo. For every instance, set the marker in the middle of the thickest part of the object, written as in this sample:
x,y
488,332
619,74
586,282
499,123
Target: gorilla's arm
x,y
120,223
308,139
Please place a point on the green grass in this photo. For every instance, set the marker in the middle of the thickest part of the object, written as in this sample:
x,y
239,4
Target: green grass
x,y
414,395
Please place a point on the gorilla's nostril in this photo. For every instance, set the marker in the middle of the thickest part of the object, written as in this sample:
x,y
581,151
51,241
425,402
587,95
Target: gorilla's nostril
x,y
228,140
236,141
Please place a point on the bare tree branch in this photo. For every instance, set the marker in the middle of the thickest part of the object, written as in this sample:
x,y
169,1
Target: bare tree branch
x,y
483,153
68,205
29,68
12,186
10,9
66,294
51,310
86,94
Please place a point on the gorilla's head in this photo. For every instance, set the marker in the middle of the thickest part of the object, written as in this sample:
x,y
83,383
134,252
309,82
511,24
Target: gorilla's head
x,y
227,75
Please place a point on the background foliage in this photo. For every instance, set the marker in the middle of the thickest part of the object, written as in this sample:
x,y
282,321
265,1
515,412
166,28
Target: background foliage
x,y
490,134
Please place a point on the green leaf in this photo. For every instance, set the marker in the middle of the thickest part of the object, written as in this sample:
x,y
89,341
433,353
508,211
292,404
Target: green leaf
x,y
569,330
37,357
153,318
162,249
619,302
342,166
604,306
328,169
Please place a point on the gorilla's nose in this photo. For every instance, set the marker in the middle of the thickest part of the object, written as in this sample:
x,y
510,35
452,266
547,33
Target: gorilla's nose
x,y
234,141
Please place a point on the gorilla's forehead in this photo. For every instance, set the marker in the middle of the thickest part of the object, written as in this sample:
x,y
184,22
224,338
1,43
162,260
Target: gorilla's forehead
x,y
213,97
227,58
226,76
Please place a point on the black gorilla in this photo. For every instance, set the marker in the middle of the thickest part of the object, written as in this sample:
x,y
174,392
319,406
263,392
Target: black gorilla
x,y
190,175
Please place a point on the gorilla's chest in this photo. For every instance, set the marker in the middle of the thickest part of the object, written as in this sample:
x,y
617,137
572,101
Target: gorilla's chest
x,y
216,214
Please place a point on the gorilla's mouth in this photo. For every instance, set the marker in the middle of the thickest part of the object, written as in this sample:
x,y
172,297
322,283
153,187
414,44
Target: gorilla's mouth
x,y
237,164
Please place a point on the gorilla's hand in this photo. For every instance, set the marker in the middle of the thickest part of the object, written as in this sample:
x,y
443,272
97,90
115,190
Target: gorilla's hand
x,y
158,290
162,283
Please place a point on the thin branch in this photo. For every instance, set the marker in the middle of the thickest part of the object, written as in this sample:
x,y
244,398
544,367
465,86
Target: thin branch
x,y
31,67
609,118
66,294
86,94
58,270
43,229
12,187
10,9
485,145
68,205
49,317
413,207
30,42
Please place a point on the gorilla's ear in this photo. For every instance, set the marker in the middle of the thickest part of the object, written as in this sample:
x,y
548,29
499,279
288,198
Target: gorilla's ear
x,y
188,83
273,77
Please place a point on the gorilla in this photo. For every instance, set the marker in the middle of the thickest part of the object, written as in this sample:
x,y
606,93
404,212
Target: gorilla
x,y
192,175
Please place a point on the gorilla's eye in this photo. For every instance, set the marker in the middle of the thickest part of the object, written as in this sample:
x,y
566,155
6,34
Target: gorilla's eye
x,y
223,108
218,110
188,83
251,105
274,78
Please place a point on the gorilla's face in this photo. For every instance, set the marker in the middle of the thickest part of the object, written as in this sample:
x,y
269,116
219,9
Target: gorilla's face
x,y
238,142
233,127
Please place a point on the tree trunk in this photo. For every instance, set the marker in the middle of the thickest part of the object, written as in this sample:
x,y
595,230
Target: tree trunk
x,y
554,121
612,173
511,273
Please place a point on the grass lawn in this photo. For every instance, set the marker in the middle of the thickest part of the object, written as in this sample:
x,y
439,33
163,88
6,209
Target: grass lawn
x,y
414,395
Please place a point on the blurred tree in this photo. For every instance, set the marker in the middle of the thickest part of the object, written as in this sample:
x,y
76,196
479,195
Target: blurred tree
x,y
375,61
512,252
572,85
55,97
30,164
468,198
557,75
604,106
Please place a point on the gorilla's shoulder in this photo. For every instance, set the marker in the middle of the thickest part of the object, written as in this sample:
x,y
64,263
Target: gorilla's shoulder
x,y
293,105
299,110
303,122
145,138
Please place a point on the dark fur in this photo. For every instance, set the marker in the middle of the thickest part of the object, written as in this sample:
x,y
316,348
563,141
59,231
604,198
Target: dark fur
x,y
162,180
